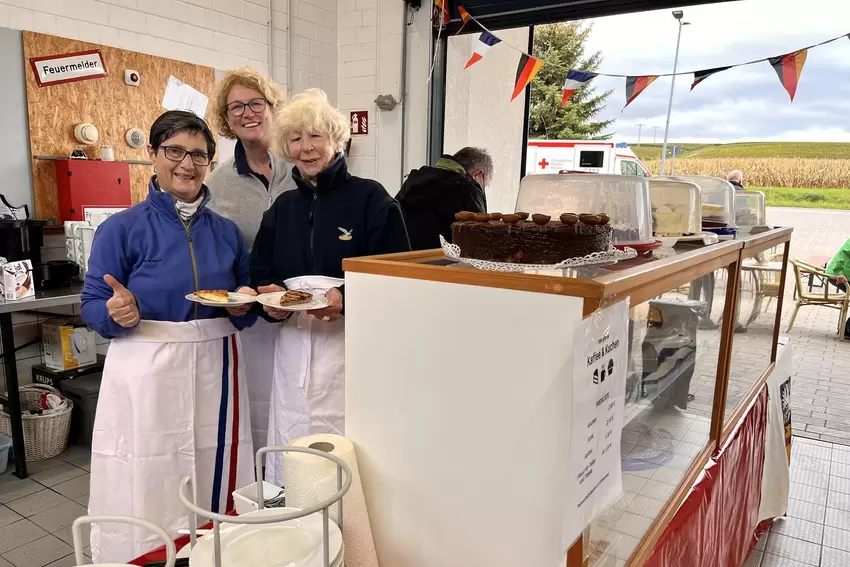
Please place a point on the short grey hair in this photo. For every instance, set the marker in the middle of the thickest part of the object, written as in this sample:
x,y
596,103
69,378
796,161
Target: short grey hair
x,y
475,158
735,175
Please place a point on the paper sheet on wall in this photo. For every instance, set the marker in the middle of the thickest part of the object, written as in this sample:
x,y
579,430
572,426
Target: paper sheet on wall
x,y
180,96
599,386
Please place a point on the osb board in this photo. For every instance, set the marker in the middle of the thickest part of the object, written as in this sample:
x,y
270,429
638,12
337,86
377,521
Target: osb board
x,y
107,102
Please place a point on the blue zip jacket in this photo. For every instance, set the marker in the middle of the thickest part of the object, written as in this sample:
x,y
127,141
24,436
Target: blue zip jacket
x,y
148,249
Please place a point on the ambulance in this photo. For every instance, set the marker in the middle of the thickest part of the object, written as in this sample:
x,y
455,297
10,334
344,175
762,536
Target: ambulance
x,y
582,156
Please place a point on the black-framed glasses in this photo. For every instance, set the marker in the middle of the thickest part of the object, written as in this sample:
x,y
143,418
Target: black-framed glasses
x,y
237,108
175,153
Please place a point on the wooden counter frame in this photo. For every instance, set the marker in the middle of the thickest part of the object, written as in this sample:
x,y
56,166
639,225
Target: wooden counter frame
x,y
640,284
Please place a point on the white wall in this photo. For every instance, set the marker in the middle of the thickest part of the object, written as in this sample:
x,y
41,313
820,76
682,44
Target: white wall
x,y
370,40
481,113
218,33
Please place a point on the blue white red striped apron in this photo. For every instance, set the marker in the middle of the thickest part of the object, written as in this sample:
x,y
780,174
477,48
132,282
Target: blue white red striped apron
x,y
173,403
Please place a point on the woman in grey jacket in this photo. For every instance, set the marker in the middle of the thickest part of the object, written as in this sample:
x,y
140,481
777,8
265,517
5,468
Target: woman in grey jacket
x,y
241,189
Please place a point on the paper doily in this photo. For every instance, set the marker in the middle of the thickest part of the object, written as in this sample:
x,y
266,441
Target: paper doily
x,y
452,252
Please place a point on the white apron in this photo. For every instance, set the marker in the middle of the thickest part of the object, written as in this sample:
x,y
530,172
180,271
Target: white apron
x,y
309,377
258,343
172,401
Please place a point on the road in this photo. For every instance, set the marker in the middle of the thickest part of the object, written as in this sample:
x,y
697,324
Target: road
x,y
816,231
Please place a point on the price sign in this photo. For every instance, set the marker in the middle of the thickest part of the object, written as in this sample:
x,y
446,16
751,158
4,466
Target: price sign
x,y
600,356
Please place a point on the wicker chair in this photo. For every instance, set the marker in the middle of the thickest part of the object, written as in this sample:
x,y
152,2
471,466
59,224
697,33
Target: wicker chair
x,y
822,298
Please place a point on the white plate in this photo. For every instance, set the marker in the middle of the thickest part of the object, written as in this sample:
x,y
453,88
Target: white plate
x,y
296,543
235,300
273,300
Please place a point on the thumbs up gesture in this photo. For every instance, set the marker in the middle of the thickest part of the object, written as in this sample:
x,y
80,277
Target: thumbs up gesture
x,y
122,305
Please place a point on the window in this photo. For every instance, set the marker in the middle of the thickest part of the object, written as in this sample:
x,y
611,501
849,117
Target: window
x,y
629,168
591,159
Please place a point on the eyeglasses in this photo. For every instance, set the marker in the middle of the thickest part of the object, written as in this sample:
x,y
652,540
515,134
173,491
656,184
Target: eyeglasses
x,y
237,108
173,153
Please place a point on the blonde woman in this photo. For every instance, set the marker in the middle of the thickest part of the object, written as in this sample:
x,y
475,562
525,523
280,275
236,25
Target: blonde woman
x,y
301,243
242,189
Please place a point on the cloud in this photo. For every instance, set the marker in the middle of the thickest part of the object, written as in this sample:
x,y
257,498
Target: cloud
x,y
744,103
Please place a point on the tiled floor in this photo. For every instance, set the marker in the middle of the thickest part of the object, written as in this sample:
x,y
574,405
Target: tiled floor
x,y
816,532
36,513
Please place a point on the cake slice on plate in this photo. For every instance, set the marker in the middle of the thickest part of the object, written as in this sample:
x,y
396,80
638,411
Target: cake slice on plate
x,y
214,295
294,297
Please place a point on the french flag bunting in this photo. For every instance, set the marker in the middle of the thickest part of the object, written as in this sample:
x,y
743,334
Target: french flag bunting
x,y
575,80
485,41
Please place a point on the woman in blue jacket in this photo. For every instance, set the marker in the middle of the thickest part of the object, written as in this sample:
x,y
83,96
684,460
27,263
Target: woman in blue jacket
x,y
173,400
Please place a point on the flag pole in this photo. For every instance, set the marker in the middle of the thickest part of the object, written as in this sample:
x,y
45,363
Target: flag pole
x,y
678,15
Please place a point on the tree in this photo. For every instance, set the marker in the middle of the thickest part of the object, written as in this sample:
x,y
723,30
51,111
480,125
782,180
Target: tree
x,y
561,46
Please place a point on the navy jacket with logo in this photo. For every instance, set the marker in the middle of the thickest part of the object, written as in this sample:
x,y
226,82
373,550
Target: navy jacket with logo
x,y
311,230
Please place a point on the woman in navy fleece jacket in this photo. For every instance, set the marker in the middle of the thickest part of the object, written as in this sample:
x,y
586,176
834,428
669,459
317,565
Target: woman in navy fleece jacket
x,y
173,401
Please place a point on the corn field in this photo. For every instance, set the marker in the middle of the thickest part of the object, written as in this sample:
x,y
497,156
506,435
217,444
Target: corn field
x,y
768,172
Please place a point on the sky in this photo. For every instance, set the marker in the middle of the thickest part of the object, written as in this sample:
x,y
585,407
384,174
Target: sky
x,y
742,104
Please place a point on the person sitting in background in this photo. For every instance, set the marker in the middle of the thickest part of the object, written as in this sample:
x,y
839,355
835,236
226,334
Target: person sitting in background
x,y
431,196
736,178
302,241
172,404
839,267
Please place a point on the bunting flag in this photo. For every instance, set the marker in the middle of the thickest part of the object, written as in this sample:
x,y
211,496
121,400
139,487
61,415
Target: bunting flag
x,y
441,11
700,76
636,85
575,80
485,41
789,68
525,72
464,15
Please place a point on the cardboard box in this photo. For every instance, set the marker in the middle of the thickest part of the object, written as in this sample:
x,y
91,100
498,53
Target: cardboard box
x,y
16,281
68,344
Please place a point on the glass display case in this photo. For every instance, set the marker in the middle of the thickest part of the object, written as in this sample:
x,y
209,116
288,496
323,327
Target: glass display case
x,y
759,306
675,207
624,198
689,377
750,210
718,202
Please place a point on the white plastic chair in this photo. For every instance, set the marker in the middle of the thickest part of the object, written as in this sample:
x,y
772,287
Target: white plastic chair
x,y
76,530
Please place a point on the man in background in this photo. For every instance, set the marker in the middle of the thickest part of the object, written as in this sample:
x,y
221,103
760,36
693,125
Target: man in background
x,y
736,178
431,196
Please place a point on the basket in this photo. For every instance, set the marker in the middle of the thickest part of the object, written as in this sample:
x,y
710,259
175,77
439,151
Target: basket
x,y
45,436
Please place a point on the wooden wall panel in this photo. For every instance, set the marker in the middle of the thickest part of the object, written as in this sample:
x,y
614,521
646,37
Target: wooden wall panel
x,y
108,103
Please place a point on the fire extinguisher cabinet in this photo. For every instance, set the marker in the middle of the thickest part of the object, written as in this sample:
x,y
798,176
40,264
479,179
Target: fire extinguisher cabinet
x,y
91,183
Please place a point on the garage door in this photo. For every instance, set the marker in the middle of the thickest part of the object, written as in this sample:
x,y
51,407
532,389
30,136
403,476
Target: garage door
x,y
501,14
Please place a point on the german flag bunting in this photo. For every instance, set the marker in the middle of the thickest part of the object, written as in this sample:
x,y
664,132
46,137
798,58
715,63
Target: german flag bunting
x,y
441,11
636,85
789,68
464,15
700,76
525,72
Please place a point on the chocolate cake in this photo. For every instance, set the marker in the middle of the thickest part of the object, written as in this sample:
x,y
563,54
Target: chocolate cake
x,y
516,240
